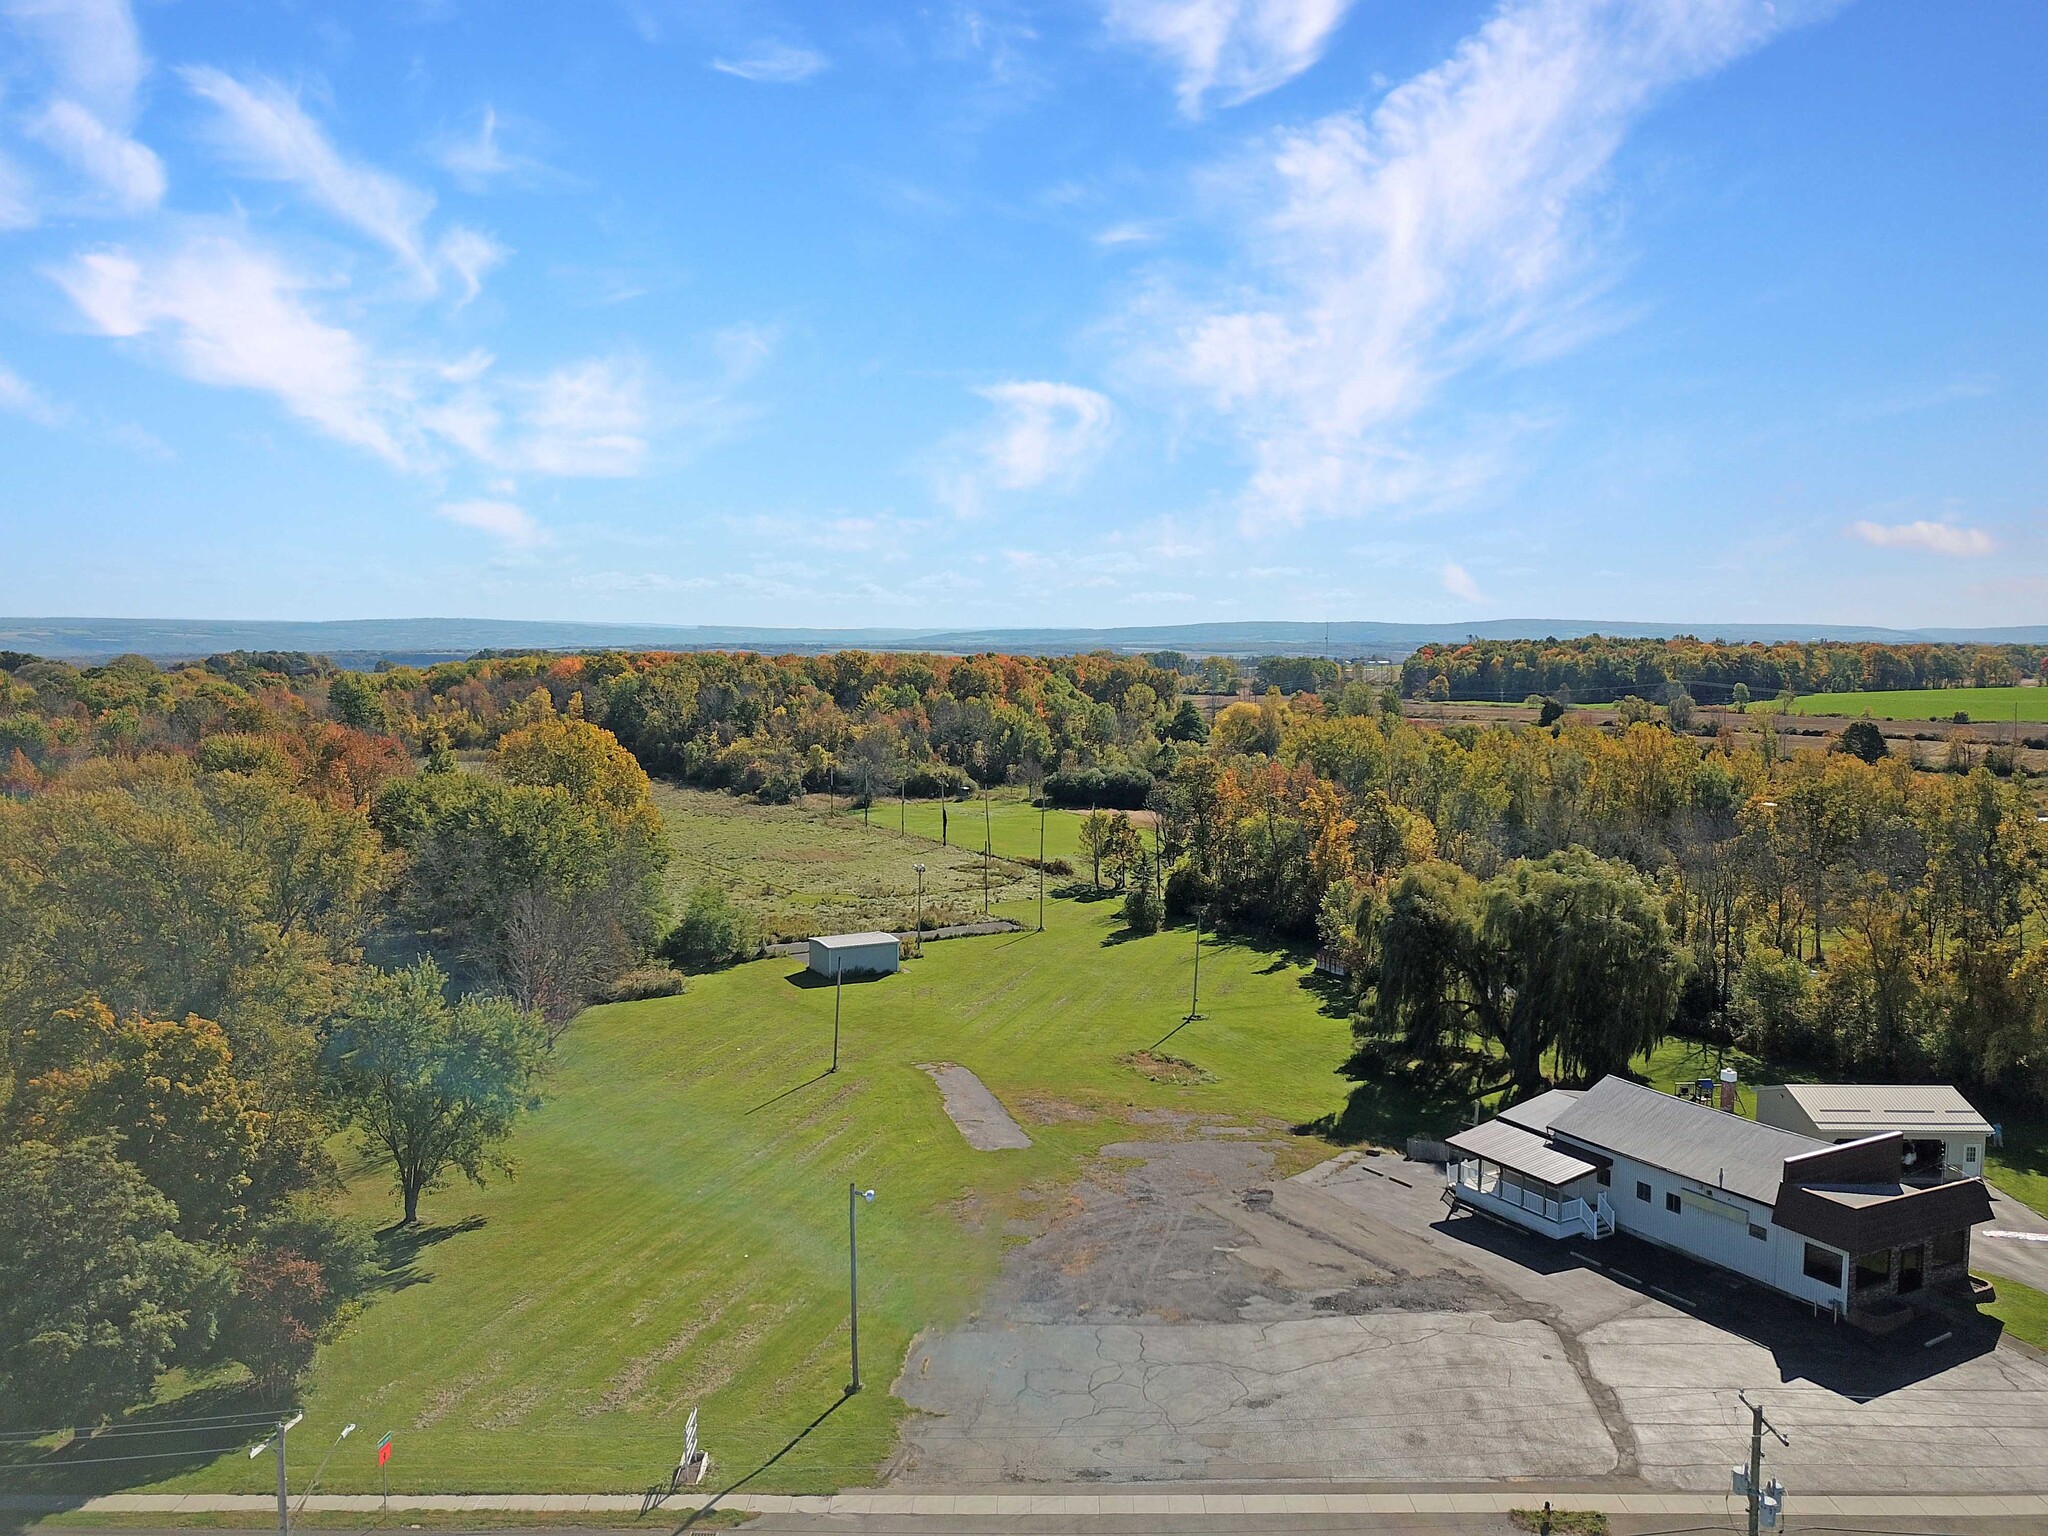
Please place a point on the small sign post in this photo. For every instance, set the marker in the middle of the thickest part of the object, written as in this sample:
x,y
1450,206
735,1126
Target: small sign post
x,y
695,1463
383,1468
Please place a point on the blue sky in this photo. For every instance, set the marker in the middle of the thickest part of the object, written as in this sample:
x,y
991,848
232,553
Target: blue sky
x,y
1100,311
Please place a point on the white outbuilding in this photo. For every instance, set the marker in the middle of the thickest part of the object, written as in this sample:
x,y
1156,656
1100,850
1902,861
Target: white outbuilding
x,y
1944,1132
856,954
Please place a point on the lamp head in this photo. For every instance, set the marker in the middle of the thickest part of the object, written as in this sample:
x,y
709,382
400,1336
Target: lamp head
x,y
918,867
347,1430
868,1195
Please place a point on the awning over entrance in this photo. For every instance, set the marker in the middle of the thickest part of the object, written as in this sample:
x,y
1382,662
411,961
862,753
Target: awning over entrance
x,y
1512,1147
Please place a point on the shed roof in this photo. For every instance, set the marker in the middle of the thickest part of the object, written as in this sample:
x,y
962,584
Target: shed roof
x,y
1537,1113
1845,1108
852,940
1691,1140
1513,1147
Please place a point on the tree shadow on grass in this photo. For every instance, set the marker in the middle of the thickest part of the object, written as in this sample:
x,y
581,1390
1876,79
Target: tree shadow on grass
x,y
148,1446
1396,1098
399,1249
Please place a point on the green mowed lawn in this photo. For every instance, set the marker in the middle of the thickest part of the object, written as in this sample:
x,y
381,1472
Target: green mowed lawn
x,y
676,1235
2022,1309
1988,705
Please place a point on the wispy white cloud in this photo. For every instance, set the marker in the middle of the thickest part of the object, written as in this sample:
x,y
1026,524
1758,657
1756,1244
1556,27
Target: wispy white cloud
x,y
91,67
1232,50
505,521
774,63
1134,232
1041,433
1934,538
262,128
1459,583
1044,431
468,254
18,397
128,171
232,315
1387,251
223,310
588,419
480,160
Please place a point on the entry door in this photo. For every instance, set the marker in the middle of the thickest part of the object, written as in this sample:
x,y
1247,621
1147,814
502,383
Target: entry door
x,y
1910,1260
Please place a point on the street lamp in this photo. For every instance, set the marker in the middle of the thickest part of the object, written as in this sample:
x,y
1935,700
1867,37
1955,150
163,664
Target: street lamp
x,y
920,909
854,1195
346,1431
1041,869
1195,1000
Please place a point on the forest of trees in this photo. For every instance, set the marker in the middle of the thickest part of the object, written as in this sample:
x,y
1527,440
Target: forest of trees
x,y
1601,670
274,887
224,921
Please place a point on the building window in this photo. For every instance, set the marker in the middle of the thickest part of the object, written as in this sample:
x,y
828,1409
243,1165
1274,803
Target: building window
x,y
1671,1201
1970,1153
1761,1234
1823,1264
1949,1247
1642,1190
1874,1270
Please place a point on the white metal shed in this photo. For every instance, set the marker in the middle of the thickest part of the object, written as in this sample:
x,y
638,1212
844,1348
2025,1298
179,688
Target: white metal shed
x,y
855,954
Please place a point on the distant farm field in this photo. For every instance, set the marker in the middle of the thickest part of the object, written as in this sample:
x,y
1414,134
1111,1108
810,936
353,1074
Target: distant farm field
x,y
1985,706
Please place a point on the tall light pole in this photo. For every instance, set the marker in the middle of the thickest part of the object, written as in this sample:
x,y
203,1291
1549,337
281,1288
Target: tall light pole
x,y
346,1431
838,992
1195,1000
1041,869
276,1438
854,1195
920,909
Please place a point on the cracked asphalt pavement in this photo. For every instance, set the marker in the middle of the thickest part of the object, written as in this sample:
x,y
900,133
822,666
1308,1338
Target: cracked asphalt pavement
x,y
1190,1317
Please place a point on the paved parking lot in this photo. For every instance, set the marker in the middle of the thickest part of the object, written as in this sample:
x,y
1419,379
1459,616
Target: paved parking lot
x,y
1193,1319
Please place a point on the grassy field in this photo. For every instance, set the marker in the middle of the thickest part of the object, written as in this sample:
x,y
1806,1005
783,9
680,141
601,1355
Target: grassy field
x,y
805,871
677,1232
2022,1309
1991,706
1012,826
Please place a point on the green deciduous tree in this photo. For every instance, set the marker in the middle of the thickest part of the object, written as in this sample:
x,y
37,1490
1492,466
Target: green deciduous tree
x,y
435,1087
97,1292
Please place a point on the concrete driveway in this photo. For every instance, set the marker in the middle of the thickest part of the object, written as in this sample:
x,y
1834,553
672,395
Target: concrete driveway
x,y
1191,1318
2013,1243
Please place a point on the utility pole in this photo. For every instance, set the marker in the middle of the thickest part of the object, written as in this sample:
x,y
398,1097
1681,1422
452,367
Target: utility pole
x,y
1195,1000
284,1508
1041,869
838,992
1758,1492
920,909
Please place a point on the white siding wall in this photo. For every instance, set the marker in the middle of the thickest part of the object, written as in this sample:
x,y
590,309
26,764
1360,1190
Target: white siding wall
x,y
1700,1228
878,956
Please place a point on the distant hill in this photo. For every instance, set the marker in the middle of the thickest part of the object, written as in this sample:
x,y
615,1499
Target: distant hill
x,y
363,642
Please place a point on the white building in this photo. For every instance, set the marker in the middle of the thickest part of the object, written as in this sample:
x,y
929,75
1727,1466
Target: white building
x,y
1833,1225
856,954
1944,1133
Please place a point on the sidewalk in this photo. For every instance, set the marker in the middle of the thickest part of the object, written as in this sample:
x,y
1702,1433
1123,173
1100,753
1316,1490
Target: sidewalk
x,y
1070,1506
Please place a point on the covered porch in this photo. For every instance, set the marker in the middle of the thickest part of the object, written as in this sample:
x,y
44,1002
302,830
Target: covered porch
x,y
1520,1177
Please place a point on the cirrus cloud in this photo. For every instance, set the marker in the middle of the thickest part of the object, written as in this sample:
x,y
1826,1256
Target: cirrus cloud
x,y
1232,49
1934,538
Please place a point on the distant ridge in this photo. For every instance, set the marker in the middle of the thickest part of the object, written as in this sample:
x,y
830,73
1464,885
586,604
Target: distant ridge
x,y
363,641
